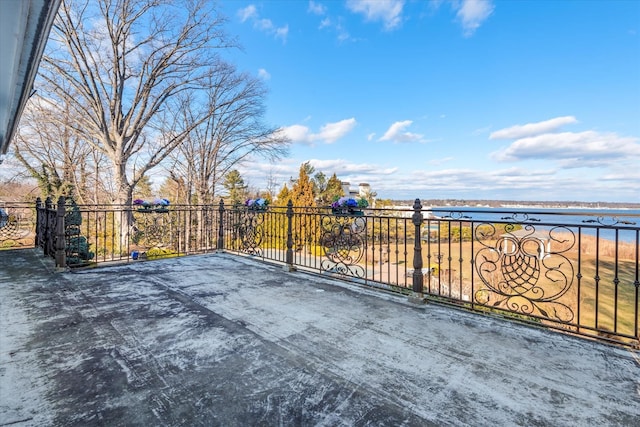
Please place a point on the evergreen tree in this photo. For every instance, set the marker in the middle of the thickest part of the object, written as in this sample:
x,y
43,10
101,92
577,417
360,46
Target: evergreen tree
x,y
143,189
332,191
235,186
283,196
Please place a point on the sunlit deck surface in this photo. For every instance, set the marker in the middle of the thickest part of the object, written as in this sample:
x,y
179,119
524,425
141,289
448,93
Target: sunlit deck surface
x,y
224,340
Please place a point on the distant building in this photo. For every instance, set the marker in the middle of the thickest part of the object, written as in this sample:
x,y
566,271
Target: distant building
x,y
346,189
364,189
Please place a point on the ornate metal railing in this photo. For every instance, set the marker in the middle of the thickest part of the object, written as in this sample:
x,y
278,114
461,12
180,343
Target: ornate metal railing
x,y
17,225
343,239
573,271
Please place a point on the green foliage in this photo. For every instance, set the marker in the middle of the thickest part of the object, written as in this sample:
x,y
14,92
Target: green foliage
x,y
333,191
284,196
143,189
155,253
319,185
73,217
235,186
77,246
78,250
362,202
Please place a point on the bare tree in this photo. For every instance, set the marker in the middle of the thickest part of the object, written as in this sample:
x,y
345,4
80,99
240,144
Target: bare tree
x,y
233,131
134,66
57,157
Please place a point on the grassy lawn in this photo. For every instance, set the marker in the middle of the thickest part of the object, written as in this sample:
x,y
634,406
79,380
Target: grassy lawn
x,y
588,299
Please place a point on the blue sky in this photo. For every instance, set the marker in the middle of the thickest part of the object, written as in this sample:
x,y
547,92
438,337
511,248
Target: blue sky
x,y
518,100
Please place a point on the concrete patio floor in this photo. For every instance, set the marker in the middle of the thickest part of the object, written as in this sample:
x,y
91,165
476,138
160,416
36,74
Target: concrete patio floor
x,y
223,340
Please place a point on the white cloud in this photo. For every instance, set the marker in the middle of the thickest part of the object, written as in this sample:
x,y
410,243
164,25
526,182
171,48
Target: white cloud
x,y
343,34
472,13
387,11
510,183
256,172
371,136
345,168
589,148
396,133
264,74
335,23
326,22
437,162
532,129
316,8
626,176
264,24
473,181
297,133
481,131
282,33
250,13
329,133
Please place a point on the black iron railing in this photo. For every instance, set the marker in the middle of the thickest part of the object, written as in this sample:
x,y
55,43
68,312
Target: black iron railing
x,y
567,270
17,225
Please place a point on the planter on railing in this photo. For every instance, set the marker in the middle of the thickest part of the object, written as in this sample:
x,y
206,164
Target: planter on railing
x,y
347,211
257,205
153,209
156,206
349,206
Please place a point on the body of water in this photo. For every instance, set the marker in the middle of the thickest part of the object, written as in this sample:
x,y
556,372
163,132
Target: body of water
x,y
590,221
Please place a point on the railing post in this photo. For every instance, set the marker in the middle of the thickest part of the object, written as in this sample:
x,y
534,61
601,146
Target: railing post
x,y
418,278
289,258
220,245
47,234
61,242
38,223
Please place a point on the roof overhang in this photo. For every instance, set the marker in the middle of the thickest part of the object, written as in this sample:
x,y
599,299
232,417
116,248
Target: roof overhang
x,y
24,30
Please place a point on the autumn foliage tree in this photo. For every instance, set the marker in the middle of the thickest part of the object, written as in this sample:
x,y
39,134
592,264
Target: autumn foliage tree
x,y
302,192
305,221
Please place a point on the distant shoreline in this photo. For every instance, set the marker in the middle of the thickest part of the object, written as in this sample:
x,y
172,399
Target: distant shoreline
x,y
510,204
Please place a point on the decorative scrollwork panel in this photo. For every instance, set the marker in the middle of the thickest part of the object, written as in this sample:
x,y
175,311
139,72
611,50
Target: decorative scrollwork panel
x,y
154,229
344,244
249,231
17,227
526,271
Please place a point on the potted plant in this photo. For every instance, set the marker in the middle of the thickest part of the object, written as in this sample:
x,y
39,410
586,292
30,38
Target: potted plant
x,y
349,206
257,204
157,205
